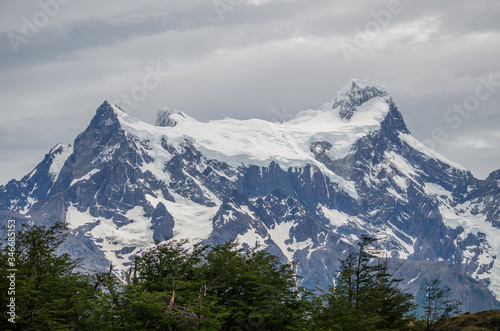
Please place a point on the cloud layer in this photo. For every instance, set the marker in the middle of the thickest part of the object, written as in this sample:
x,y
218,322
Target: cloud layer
x,y
255,58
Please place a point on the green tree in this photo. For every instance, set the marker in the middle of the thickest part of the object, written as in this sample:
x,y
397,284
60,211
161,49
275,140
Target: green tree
x,y
221,288
170,274
365,296
49,294
393,305
438,305
257,291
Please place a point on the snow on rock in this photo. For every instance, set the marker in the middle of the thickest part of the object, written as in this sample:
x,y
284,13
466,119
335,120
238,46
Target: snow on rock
x,y
415,144
258,142
166,117
192,221
86,177
60,154
437,190
75,218
205,181
31,201
117,242
413,279
337,218
463,216
354,94
251,238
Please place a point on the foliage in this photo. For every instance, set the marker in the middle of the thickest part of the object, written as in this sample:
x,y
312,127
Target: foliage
x,y
177,286
221,288
438,306
49,294
484,320
366,296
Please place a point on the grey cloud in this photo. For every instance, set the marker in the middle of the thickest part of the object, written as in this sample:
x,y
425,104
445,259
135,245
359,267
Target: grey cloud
x,y
280,56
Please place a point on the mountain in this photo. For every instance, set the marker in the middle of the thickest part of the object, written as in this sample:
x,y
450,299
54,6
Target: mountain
x,y
305,189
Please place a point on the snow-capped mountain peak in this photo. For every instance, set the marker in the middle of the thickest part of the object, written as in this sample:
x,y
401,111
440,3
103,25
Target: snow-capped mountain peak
x,y
20,196
354,94
168,117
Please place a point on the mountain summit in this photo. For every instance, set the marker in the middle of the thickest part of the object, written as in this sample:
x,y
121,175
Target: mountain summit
x,y
354,94
305,189
166,117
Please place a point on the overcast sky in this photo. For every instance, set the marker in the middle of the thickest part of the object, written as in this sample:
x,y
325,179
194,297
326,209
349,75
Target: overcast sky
x,y
60,59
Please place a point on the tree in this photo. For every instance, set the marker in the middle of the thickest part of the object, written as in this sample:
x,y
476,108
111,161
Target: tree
x,y
170,273
393,305
438,306
366,296
49,293
257,291
222,287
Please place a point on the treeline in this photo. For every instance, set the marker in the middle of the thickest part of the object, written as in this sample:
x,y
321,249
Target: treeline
x,y
204,288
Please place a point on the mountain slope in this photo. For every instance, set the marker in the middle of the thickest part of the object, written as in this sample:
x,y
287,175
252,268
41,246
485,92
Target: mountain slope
x,y
305,189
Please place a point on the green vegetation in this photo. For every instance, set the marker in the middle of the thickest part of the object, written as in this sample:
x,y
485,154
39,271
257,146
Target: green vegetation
x,y
206,288
49,294
480,321
365,296
438,306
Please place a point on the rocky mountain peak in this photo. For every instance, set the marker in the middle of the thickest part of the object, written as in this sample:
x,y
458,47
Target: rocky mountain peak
x,y
59,148
354,94
164,117
105,120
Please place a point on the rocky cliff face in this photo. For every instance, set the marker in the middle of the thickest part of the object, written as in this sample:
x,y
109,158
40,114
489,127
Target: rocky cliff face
x,y
305,190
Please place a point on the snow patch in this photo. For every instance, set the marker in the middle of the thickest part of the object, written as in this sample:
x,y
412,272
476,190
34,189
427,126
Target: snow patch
x,y
32,173
75,218
337,218
86,177
58,160
393,192
112,238
461,216
437,190
413,279
251,238
29,203
401,164
415,144
280,234
407,249
192,221
137,233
